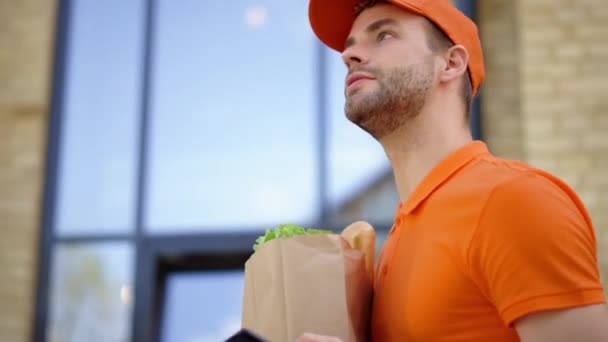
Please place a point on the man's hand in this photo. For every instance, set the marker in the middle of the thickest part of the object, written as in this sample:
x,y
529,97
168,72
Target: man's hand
x,y
317,338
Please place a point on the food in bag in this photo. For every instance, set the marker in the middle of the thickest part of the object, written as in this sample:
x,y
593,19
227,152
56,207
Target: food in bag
x,y
308,280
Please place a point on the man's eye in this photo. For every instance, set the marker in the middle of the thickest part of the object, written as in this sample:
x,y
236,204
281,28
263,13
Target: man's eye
x,y
384,35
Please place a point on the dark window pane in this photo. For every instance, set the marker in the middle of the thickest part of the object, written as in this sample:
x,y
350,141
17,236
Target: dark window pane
x,y
202,306
96,184
361,182
90,297
233,130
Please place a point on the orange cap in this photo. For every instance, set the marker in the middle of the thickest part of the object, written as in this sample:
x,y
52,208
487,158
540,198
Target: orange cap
x,y
331,21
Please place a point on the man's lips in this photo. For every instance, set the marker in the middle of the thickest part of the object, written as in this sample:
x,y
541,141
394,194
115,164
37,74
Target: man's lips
x,y
355,77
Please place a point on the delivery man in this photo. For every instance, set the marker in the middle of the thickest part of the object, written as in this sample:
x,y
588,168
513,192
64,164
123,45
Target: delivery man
x,y
482,248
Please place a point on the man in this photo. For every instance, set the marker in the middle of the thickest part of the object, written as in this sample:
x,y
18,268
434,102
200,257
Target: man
x,y
482,249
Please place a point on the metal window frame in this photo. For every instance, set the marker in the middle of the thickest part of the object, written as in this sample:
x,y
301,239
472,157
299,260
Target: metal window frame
x,y
153,252
45,242
163,256
469,8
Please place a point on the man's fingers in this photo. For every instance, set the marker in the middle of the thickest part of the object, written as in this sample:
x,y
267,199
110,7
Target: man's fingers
x,y
308,337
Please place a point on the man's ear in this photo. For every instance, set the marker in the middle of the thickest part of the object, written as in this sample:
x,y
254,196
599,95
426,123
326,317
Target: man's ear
x,y
457,59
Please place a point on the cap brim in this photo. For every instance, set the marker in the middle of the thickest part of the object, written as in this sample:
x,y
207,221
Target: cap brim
x,y
331,20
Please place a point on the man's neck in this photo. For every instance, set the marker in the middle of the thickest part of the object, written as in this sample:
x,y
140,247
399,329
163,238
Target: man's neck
x,y
416,149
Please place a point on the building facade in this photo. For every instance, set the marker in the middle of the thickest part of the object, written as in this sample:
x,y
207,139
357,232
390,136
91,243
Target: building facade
x,y
543,102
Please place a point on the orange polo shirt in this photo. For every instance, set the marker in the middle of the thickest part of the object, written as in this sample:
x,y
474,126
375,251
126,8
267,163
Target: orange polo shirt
x,y
480,243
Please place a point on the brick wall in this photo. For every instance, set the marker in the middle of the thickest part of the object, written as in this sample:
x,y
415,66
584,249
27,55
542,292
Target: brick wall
x,y
25,50
545,99
500,95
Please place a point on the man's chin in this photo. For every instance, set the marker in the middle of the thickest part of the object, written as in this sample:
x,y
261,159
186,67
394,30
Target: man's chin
x,y
352,117
364,122
358,117
355,102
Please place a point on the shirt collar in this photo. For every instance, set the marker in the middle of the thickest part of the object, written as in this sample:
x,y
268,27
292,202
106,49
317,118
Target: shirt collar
x,y
441,172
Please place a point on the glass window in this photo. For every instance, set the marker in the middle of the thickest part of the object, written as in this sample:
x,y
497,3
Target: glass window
x,y
96,185
233,132
360,182
91,296
202,306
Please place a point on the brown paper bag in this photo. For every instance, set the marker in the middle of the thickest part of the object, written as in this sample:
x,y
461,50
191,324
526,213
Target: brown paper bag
x,y
307,283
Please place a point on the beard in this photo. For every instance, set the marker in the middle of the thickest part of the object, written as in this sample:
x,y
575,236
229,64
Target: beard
x,y
400,94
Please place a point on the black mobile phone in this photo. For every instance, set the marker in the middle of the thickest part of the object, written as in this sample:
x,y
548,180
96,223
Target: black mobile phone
x,y
245,335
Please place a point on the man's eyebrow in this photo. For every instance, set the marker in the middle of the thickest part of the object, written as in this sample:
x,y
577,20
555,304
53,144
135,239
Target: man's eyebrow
x,y
371,28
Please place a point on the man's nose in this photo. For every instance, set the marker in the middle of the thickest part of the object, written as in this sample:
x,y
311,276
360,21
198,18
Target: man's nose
x,y
354,55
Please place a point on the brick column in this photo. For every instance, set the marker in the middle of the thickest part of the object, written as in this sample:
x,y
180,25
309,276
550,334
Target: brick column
x,y
564,97
26,38
545,101
500,96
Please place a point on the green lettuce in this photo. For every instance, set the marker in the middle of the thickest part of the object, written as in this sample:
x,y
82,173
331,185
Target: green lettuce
x,y
286,230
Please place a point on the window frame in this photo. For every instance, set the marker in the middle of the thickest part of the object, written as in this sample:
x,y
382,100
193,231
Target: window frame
x,y
157,255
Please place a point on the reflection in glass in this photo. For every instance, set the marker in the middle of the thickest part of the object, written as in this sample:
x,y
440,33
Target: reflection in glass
x,y
202,306
96,184
233,131
361,184
91,293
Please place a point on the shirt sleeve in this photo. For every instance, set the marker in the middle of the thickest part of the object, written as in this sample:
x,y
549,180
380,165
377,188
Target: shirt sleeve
x,y
533,250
